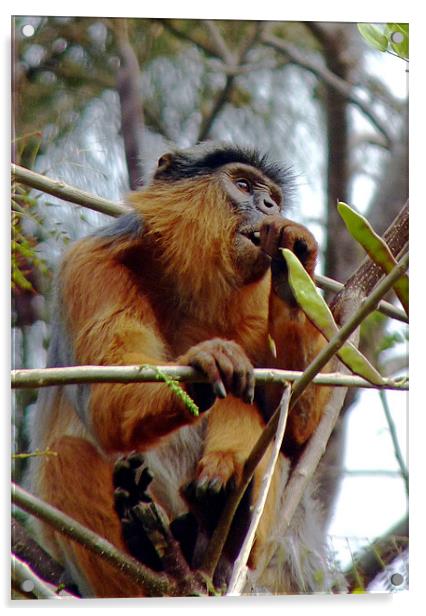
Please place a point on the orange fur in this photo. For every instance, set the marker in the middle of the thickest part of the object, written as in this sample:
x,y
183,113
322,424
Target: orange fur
x,y
73,471
298,342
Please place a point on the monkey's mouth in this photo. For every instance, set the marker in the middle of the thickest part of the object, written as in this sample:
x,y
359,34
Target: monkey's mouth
x,y
252,235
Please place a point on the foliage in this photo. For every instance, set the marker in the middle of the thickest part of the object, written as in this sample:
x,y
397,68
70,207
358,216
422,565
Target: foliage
x,y
375,246
391,37
320,314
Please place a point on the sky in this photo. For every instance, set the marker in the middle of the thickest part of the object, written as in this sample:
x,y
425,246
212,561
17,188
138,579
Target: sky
x,y
370,504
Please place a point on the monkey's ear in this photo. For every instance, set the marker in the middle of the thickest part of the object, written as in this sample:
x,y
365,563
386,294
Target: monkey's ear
x,y
165,161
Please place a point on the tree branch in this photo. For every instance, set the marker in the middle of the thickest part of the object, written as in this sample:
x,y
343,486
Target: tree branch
x,y
316,446
239,573
22,574
132,117
25,548
185,36
328,284
222,49
329,78
377,556
59,189
154,585
395,442
47,377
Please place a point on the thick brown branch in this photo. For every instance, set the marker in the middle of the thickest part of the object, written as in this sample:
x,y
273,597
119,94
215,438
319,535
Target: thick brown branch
x,y
377,556
396,237
28,550
153,584
132,120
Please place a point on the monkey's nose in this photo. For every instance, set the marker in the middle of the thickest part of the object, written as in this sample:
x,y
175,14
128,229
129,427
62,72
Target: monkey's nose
x,y
268,205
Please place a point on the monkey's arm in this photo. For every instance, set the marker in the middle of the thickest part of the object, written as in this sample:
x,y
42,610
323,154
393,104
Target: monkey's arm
x,y
109,321
297,341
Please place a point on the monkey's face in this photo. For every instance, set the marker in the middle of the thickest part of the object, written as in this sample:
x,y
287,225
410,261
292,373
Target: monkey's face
x,y
217,196
252,196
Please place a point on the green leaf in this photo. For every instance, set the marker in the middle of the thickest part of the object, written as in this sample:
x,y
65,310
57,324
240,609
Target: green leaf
x,y
373,36
318,312
18,279
375,246
398,37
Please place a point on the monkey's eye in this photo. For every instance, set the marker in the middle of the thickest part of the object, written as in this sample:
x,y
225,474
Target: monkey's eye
x,y
243,185
165,160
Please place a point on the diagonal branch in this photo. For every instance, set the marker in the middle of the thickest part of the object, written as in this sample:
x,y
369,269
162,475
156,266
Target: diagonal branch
x,y
330,79
154,584
239,573
317,444
378,555
22,573
209,50
59,189
328,284
394,437
222,49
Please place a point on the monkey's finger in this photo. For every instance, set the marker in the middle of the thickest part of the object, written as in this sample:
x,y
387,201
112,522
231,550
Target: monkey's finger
x,y
206,363
242,373
250,387
227,366
270,233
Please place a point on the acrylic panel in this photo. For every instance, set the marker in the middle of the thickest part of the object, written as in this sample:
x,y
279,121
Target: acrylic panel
x,y
187,418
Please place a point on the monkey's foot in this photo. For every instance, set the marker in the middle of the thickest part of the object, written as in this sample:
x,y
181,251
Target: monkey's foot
x,y
217,471
217,475
146,530
137,513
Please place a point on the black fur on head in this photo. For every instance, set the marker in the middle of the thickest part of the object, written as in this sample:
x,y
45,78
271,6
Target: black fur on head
x,y
205,158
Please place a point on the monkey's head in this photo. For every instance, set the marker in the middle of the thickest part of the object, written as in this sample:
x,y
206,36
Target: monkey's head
x,y
227,190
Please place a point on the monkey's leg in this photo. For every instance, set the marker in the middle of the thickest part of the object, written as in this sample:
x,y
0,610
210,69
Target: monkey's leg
x,y
147,532
78,481
233,429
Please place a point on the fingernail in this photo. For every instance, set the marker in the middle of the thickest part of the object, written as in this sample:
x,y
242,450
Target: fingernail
x,y
219,389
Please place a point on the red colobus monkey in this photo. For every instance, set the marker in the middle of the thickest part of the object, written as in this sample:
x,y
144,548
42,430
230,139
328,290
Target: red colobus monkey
x,y
192,276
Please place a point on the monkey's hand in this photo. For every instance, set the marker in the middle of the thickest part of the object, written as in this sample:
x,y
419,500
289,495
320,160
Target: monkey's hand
x,y
277,233
227,368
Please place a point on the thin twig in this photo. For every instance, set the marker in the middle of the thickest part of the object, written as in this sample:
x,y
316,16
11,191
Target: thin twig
x,y
59,189
153,584
392,430
239,572
48,377
215,36
328,284
334,81
208,49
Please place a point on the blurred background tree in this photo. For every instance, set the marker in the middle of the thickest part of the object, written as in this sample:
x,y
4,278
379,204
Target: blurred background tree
x,y
97,100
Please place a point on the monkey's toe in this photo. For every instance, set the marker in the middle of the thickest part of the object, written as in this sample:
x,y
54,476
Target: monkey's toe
x,y
131,479
218,470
